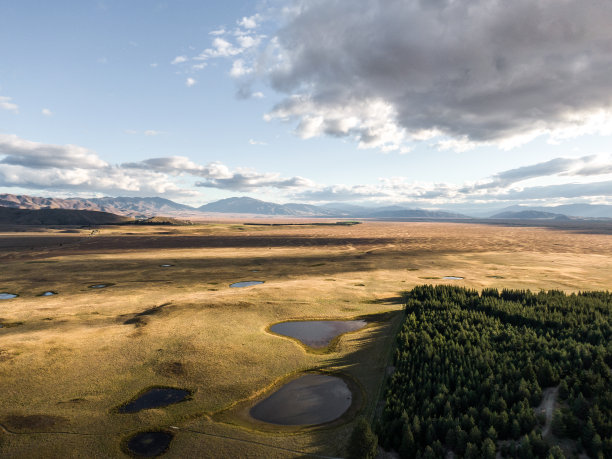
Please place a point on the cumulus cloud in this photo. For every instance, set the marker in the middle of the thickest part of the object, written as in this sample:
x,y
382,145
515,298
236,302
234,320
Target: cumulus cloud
x,y
250,22
469,71
584,166
6,104
36,155
218,175
189,82
504,186
37,165
250,180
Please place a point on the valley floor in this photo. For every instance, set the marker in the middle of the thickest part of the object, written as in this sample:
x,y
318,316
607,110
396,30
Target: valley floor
x,y
68,360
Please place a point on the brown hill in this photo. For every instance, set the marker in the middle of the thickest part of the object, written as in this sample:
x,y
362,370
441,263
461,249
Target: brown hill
x,y
132,207
14,216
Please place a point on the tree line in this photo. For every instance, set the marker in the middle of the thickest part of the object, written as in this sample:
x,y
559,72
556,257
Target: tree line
x,y
470,369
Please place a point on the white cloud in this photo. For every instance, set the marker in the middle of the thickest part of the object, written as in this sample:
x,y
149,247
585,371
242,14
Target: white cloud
x,y
6,104
189,82
147,132
179,60
217,32
36,155
218,175
258,95
239,69
46,112
257,142
250,22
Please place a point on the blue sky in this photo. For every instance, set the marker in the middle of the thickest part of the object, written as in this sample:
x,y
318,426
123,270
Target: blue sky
x,y
313,101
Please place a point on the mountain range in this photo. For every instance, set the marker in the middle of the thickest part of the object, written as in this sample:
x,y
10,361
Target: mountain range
x,y
154,206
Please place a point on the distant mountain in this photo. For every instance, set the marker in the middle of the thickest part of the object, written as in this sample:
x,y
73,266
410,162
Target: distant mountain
x,y
530,215
14,216
571,210
255,206
121,206
416,213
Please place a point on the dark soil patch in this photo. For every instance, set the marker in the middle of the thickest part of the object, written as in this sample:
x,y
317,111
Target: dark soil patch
x,y
171,369
148,444
33,421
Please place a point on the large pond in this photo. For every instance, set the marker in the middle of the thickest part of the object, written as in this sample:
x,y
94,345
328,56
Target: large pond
x,y
7,296
245,284
155,398
149,444
317,333
308,400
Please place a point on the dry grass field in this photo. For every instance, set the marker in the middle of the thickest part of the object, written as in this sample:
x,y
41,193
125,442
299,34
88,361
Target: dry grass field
x,y
68,360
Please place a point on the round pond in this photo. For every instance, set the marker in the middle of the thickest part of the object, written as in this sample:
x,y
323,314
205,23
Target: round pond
x,y
308,400
149,444
316,333
245,284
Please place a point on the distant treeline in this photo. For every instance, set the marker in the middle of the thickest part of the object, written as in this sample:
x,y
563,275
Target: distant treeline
x,y
470,369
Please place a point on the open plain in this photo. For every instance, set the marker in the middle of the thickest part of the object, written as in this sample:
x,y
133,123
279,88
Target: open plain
x,y
68,361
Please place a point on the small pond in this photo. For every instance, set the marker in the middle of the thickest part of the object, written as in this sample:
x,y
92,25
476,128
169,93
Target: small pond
x,y
308,400
452,278
49,293
98,286
149,444
7,296
155,398
165,265
316,333
245,284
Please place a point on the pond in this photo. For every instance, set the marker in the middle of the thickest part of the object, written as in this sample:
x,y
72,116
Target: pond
x,y
245,284
49,293
99,286
165,265
149,444
7,296
308,400
155,397
317,333
452,278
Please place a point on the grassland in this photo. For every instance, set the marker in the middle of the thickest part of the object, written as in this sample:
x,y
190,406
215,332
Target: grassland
x,y
68,360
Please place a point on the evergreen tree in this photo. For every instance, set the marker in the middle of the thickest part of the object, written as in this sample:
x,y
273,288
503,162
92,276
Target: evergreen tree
x,y
363,444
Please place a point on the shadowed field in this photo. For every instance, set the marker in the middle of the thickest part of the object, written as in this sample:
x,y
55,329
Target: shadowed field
x,y
68,361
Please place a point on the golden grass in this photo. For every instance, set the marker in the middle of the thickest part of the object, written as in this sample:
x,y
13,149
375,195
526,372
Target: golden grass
x,y
72,357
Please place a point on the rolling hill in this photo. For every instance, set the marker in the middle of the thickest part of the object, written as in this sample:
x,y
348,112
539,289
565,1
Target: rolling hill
x,y
13,216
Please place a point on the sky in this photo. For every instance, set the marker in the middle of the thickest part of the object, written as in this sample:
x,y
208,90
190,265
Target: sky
x,y
426,103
